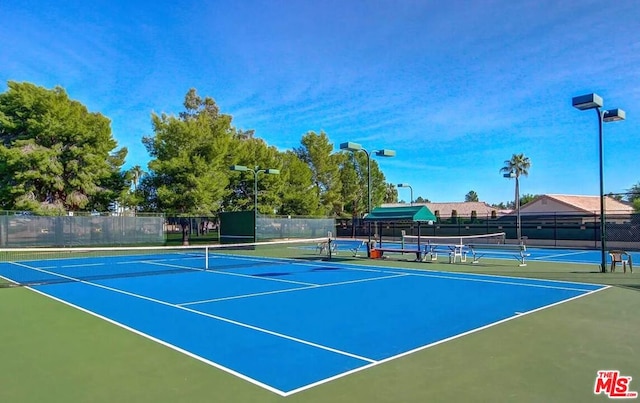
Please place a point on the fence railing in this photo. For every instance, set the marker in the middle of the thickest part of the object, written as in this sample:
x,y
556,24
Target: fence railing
x,y
557,230
23,229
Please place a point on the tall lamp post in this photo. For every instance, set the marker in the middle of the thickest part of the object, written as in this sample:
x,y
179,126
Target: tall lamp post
x,y
511,175
353,147
406,185
594,101
256,171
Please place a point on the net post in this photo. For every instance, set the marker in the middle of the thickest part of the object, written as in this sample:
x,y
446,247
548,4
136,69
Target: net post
x,y
206,258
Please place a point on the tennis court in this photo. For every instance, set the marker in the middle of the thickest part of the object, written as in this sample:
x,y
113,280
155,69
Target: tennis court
x,y
558,255
282,318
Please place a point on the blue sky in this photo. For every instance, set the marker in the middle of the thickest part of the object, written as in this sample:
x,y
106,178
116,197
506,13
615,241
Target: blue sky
x,y
455,87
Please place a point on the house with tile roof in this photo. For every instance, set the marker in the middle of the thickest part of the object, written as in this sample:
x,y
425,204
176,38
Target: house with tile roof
x,y
574,204
572,208
548,204
462,209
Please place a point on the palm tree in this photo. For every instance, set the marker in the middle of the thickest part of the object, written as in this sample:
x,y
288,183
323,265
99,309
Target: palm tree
x,y
517,166
390,193
136,174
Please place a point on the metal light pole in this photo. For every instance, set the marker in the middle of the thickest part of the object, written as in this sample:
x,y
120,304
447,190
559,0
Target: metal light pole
x,y
256,171
510,175
406,185
594,101
353,147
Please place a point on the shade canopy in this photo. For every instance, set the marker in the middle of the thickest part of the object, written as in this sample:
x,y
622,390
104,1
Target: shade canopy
x,y
409,213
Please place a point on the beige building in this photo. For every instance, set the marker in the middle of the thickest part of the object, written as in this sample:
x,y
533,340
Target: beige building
x,y
574,204
544,204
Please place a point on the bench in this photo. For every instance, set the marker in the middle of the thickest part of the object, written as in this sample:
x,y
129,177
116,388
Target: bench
x,y
518,251
418,252
454,251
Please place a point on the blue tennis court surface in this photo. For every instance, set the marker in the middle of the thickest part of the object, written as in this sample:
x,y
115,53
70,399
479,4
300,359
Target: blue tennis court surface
x,y
560,255
289,325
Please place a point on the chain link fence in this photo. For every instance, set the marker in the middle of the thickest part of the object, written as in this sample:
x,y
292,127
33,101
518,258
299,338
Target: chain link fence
x,y
25,229
293,227
551,229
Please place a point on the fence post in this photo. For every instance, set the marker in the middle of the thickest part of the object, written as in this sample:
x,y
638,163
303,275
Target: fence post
x,y
4,228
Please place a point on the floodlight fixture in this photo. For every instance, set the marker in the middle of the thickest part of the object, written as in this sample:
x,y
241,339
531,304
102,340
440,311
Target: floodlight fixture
x,y
406,185
385,153
594,101
353,147
588,101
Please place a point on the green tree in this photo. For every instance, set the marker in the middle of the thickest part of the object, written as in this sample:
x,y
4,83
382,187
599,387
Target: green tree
x,y
254,153
420,199
501,205
188,171
298,196
527,198
472,196
518,165
317,152
55,155
633,193
633,197
353,188
378,185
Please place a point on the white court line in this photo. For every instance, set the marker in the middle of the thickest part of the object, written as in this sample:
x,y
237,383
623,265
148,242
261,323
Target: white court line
x,y
164,343
292,289
478,280
227,273
273,260
449,277
223,319
415,350
160,260
422,273
234,274
171,265
372,362
464,275
80,265
560,255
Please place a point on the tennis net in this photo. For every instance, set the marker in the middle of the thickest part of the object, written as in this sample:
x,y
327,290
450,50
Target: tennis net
x,y
41,266
484,239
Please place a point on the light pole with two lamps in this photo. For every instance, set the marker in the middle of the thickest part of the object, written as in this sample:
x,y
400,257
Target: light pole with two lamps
x,y
256,171
353,147
406,185
594,101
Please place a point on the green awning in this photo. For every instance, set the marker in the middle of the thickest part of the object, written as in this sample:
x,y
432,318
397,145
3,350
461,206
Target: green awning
x,y
408,213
